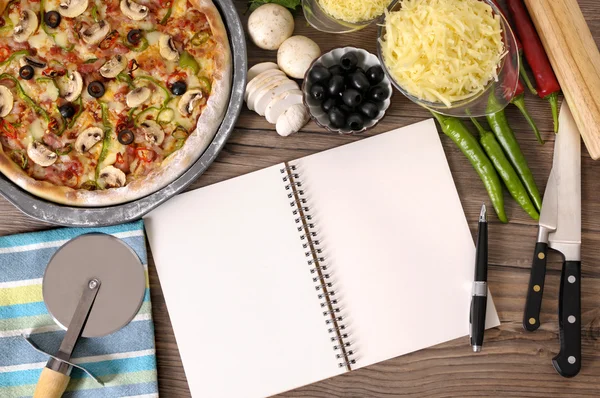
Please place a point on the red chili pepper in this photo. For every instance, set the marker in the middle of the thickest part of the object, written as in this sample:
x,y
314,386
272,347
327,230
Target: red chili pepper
x,y
109,40
8,129
132,66
522,70
545,78
52,73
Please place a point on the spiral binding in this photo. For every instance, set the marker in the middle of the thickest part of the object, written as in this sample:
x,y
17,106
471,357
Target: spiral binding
x,y
324,284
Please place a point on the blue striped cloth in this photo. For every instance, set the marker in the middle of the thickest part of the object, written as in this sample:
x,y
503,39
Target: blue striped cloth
x,y
125,360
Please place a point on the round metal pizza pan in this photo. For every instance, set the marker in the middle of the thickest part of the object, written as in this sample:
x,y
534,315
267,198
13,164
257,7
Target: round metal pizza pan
x,y
102,216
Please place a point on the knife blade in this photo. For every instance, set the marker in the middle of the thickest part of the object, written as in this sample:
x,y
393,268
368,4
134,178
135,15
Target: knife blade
x,y
567,240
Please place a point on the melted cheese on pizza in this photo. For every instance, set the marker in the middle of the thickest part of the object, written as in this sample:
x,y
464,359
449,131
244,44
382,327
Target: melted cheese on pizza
x,y
120,84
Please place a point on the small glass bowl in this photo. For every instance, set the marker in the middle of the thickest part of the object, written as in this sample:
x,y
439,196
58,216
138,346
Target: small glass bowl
x,y
365,61
479,105
319,19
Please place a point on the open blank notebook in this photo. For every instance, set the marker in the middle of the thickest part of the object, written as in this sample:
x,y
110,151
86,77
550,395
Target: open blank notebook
x,y
309,269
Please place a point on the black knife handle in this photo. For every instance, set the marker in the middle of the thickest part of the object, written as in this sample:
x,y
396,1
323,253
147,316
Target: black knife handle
x,y
568,361
533,303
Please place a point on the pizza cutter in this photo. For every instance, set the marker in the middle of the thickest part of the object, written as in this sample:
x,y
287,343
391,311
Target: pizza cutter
x,y
93,286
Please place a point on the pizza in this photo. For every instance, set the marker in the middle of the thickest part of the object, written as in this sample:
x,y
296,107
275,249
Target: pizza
x,y
106,101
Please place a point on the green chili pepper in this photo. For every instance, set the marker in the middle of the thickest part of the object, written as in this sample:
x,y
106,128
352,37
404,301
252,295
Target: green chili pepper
x,y
180,132
519,102
89,185
186,60
166,115
13,56
124,77
47,80
63,151
179,143
95,13
205,85
508,141
131,112
138,118
200,38
90,61
38,109
157,84
79,112
456,130
20,158
506,170
8,27
107,138
164,20
142,45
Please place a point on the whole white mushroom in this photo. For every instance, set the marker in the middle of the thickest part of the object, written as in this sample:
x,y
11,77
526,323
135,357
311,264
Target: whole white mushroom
x,y
292,120
270,25
296,54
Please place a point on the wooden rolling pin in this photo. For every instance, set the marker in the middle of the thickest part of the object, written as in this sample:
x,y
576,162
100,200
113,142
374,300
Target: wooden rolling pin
x,y
576,62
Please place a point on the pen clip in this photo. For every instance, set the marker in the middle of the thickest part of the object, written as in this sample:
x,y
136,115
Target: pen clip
x,y
471,320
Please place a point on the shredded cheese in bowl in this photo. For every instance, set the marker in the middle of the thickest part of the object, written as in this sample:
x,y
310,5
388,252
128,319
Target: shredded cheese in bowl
x,y
443,51
354,11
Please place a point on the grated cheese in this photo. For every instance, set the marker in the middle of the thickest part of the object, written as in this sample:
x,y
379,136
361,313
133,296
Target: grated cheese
x,y
354,10
443,50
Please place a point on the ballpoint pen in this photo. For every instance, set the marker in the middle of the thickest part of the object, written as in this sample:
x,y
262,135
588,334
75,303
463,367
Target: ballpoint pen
x,y
479,293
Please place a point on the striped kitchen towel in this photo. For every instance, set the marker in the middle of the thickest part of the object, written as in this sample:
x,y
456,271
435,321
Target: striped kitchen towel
x,y
125,360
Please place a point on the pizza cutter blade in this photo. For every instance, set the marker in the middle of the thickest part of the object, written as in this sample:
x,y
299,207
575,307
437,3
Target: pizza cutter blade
x,y
93,286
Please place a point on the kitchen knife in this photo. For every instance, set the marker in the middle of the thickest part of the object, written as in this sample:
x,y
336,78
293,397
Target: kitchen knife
x,y
560,229
547,224
567,240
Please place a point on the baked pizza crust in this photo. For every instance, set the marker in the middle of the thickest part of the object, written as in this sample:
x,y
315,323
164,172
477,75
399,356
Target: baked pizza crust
x,y
3,4
174,165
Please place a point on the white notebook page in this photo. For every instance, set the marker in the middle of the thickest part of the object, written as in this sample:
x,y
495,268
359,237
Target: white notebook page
x,y
238,289
396,239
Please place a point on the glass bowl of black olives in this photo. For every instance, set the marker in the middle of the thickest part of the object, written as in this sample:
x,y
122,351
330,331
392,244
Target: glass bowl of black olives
x,y
346,90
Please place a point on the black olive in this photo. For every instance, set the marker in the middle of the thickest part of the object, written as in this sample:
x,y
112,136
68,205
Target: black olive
x,y
369,109
346,109
355,122
317,92
34,63
349,61
359,81
375,74
378,94
336,85
319,73
134,36
96,89
179,87
52,19
352,97
328,104
361,70
67,110
126,137
336,70
26,72
337,118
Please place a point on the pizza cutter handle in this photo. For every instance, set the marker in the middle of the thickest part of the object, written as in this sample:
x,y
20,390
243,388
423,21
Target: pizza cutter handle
x,y
51,384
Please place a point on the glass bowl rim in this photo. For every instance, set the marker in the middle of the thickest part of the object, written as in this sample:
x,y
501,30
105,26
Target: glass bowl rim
x,y
440,106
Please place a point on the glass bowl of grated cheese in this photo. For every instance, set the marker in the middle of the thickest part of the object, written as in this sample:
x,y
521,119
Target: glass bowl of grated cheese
x,y
344,16
455,57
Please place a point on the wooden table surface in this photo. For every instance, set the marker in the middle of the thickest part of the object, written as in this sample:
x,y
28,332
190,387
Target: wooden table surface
x,y
514,363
